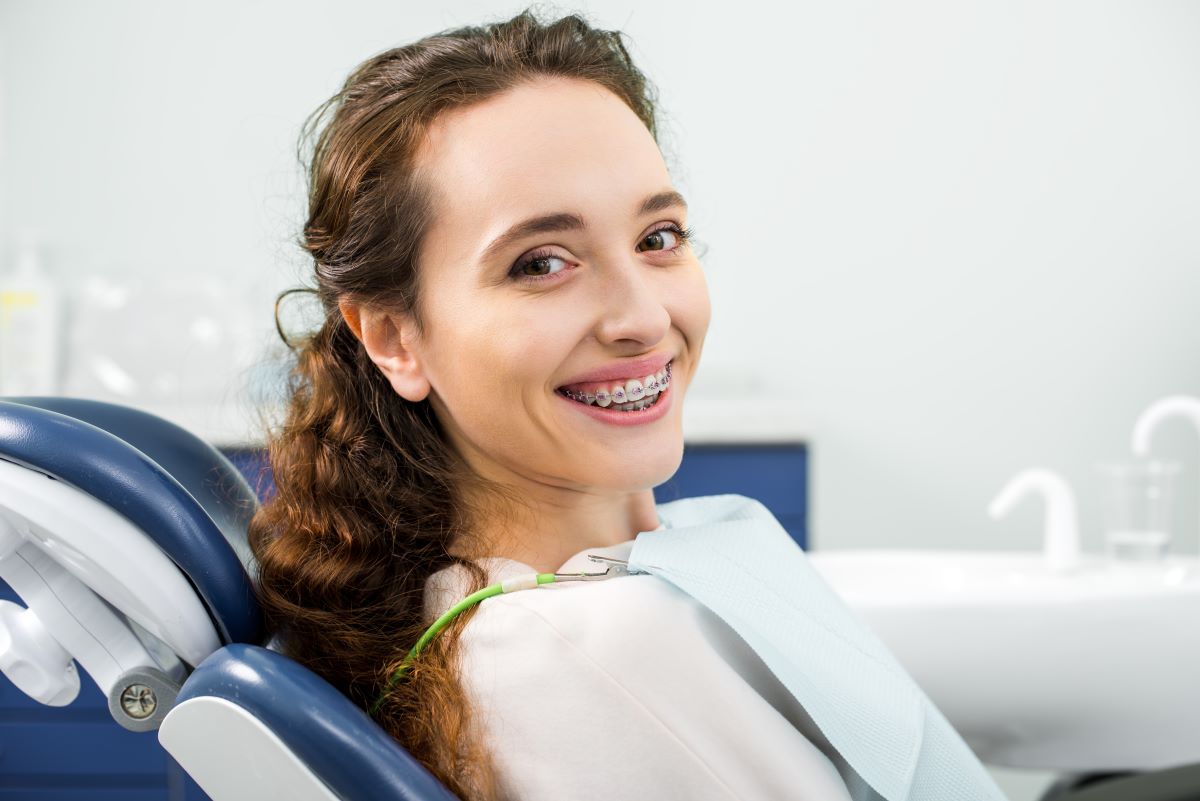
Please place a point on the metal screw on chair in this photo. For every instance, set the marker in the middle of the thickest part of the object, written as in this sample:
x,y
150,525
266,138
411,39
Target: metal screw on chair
x,y
140,698
138,701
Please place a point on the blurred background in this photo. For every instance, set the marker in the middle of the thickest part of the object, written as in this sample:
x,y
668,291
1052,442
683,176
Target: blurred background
x,y
945,241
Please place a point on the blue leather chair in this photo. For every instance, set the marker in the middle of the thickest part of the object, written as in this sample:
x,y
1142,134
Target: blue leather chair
x,y
242,719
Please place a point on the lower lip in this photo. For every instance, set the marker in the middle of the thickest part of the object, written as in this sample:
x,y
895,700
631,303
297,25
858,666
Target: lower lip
x,y
634,418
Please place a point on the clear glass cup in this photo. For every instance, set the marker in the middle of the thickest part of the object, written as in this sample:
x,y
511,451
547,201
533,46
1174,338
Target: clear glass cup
x,y
1138,508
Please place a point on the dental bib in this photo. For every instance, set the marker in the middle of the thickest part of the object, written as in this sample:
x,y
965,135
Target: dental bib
x,y
732,555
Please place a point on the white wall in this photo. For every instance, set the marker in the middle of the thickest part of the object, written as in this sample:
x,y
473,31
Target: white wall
x,y
959,238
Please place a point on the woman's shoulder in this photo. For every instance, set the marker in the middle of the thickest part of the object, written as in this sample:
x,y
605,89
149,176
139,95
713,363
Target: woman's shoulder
x,y
641,611
627,625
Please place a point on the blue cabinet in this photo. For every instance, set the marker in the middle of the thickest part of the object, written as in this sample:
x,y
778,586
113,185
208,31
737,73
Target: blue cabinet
x,y
78,753
777,475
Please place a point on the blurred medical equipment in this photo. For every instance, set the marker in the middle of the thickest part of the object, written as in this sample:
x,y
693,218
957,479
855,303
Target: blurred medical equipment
x,y
125,537
30,325
189,329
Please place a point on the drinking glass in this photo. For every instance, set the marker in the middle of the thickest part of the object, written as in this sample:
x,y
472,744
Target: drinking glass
x,y
1137,510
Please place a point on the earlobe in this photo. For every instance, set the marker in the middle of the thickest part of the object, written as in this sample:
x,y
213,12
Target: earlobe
x,y
388,338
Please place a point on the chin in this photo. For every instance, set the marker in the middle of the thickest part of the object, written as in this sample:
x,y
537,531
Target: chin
x,y
649,473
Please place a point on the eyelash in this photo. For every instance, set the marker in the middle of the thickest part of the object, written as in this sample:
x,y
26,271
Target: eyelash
x,y
685,235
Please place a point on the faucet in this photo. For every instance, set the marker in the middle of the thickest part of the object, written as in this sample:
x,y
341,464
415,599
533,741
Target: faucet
x,y
1062,527
1170,406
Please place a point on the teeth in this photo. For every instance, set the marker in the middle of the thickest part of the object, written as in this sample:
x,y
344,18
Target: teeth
x,y
633,406
636,389
628,395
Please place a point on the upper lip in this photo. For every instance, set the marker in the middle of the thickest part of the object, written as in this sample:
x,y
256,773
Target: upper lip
x,y
631,368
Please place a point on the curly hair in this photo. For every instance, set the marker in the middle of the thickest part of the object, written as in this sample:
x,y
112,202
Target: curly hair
x,y
368,492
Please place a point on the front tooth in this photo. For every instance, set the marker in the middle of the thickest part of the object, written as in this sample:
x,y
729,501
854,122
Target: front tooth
x,y
650,382
634,389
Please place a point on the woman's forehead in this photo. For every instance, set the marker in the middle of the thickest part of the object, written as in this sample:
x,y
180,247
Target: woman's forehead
x,y
547,145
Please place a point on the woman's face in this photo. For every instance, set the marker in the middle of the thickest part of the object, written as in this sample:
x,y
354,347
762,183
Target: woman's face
x,y
554,253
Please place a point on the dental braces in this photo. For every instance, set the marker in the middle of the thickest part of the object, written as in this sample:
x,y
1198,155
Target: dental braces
x,y
618,396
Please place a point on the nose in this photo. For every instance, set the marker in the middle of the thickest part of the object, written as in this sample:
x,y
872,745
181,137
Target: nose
x,y
633,308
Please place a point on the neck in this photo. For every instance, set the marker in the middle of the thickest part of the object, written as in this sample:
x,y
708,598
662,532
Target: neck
x,y
556,524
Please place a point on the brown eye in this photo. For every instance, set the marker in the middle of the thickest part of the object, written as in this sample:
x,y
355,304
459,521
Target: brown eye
x,y
541,266
537,266
669,238
656,239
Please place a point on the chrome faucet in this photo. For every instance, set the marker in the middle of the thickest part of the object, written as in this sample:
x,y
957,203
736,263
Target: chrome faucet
x,y
1171,406
1062,526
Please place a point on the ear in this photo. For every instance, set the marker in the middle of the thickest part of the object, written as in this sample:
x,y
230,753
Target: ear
x,y
388,338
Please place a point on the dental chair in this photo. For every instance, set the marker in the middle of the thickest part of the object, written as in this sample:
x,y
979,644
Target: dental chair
x,y
125,537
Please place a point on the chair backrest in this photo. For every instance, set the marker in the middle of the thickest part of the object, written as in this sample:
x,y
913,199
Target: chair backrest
x,y
244,704
285,733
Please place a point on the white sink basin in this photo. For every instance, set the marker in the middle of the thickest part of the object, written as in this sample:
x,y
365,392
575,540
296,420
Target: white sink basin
x,y
1094,670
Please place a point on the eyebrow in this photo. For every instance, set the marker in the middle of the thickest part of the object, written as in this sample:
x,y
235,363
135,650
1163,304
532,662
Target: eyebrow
x,y
566,221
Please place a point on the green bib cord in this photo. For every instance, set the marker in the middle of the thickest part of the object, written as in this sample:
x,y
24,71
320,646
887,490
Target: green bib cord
x,y
616,567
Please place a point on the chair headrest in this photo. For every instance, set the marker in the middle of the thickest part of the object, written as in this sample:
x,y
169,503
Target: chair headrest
x,y
179,490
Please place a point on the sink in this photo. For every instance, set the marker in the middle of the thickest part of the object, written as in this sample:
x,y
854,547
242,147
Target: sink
x,y
1093,670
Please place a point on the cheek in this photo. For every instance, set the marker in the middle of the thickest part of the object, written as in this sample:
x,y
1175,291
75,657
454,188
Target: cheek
x,y
506,357
692,308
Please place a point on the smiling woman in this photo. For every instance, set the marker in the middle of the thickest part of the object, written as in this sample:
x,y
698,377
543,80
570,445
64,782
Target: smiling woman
x,y
505,271
588,274
513,315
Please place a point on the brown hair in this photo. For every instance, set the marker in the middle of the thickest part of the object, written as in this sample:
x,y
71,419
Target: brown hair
x,y
368,493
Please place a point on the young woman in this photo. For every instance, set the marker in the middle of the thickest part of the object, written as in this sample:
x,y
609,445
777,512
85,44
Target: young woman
x,y
513,315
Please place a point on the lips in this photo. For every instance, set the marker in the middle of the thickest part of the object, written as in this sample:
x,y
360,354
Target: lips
x,y
621,371
663,402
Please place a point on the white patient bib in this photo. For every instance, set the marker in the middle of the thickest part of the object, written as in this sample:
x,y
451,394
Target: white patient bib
x,y
732,555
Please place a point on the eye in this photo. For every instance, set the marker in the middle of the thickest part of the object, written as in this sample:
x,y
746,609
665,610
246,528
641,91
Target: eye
x,y
542,263
539,265
661,238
